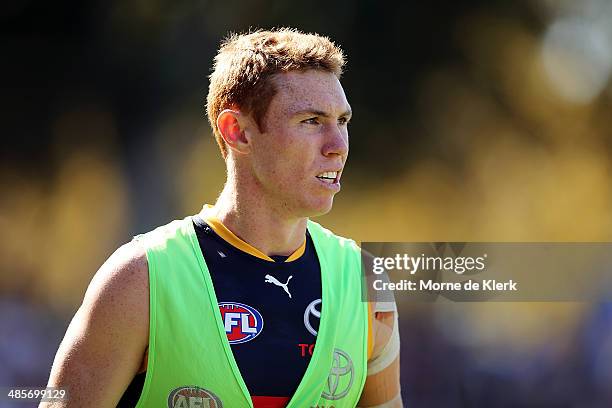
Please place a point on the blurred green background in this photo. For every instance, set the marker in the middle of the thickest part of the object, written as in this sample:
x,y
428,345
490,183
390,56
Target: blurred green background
x,y
473,121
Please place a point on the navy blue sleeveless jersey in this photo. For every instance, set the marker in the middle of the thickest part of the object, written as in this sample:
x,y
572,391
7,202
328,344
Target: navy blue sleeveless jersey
x,y
270,310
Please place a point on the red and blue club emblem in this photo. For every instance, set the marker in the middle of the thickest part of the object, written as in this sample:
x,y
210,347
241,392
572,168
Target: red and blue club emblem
x,y
242,322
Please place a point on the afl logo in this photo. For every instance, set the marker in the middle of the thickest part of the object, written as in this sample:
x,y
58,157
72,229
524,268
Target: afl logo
x,y
193,396
242,322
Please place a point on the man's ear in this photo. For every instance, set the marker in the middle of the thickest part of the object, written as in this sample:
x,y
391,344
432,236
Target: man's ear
x,y
232,125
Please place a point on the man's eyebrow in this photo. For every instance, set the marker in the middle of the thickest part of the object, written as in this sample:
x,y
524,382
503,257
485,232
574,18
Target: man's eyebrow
x,y
315,112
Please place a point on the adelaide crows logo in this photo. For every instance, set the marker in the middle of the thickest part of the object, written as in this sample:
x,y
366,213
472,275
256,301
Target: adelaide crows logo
x,y
242,322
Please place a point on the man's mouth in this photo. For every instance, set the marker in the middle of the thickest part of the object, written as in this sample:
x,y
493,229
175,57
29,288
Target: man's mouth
x,y
329,177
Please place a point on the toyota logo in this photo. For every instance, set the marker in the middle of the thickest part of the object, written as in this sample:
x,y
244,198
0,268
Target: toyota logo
x,y
340,377
312,311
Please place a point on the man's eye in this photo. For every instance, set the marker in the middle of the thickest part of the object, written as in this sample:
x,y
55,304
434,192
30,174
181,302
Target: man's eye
x,y
311,121
343,121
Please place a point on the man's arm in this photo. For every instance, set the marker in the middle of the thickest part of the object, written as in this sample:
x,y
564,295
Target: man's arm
x,y
106,340
382,386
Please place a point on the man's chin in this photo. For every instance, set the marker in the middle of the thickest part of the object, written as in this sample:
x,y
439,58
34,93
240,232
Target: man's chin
x,y
320,209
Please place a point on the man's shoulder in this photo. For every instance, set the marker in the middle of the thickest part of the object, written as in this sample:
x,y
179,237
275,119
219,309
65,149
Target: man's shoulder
x,y
125,273
131,256
117,298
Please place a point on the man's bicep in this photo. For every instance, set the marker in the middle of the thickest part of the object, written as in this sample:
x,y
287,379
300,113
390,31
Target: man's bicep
x,y
382,387
106,339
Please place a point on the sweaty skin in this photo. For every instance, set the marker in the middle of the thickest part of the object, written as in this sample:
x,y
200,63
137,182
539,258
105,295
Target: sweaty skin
x,y
271,190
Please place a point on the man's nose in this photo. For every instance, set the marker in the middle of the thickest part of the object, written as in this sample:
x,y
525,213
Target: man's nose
x,y
336,142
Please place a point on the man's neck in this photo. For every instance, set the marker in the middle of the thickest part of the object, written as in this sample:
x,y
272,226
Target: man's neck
x,y
257,223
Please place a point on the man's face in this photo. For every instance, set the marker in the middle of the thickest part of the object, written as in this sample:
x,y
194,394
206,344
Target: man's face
x,y
298,160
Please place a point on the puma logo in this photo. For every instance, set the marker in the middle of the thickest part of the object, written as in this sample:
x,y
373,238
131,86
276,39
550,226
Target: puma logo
x,y
272,279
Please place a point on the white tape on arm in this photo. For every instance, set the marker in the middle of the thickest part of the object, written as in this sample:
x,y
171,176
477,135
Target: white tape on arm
x,y
389,352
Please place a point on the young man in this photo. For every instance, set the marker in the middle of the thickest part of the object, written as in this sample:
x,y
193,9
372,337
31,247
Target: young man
x,y
248,303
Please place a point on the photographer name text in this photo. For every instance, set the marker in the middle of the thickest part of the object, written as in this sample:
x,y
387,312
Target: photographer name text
x,y
434,286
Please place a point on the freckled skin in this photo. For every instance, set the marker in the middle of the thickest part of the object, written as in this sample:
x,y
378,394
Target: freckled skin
x,y
272,188
289,154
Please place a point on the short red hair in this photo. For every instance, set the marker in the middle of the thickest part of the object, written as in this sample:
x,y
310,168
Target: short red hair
x,y
245,64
